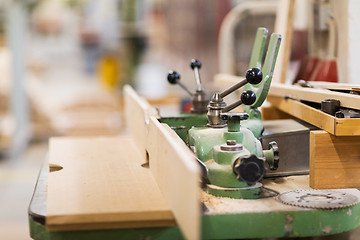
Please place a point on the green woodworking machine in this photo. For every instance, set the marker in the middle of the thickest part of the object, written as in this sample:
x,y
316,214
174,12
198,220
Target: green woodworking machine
x,y
236,200
227,143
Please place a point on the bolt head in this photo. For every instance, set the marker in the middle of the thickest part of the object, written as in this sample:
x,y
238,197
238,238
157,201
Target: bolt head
x,y
231,142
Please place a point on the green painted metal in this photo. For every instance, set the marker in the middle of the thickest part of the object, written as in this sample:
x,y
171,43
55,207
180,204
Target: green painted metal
x,y
221,168
233,126
302,223
254,122
183,122
39,232
246,192
269,156
223,181
205,138
258,48
261,90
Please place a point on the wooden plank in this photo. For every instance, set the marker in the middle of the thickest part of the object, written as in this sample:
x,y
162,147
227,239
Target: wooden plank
x,y
345,127
178,175
304,112
347,18
334,161
102,185
273,113
331,124
284,25
137,114
171,162
314,95
334,86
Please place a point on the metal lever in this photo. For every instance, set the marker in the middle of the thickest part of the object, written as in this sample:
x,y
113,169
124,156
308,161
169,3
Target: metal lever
x,y
196,65
199,99
247,97
253,76
174,78
217,106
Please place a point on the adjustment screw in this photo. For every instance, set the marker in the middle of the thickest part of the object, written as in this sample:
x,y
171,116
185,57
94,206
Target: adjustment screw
x,y
231,142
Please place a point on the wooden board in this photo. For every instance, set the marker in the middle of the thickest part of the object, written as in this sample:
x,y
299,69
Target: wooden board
x,y
314,95
284,25
171,162
334,161
137,114
178,175
102,185
334,86
347,18
333,125
273,113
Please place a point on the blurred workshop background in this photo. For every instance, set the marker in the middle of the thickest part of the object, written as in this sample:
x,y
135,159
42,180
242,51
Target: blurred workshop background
x,y
63,64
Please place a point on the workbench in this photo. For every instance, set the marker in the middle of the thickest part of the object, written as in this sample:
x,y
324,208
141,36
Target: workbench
x,y
221,218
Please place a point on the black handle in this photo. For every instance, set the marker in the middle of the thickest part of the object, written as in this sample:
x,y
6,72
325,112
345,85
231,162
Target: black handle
x,y
254,76
249,169
247,97
173,77
195,64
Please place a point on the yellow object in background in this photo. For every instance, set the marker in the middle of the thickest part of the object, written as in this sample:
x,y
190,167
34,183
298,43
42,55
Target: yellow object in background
x,y
109,72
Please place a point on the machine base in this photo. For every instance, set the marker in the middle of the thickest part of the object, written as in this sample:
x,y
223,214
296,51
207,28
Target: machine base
x,y
251,192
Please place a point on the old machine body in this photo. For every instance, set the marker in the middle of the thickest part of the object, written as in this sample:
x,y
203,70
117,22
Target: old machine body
x,y
228,144
149,184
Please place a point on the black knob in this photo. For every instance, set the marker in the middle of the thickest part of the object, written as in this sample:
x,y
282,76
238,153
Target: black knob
x,y
195,64
248,97
273,145
173,77
254,76
249,169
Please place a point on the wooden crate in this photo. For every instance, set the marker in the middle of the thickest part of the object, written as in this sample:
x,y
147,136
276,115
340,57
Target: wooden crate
x,y
334,161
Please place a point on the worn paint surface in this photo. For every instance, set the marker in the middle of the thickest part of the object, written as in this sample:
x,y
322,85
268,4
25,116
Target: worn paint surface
x,y
223,226
182,123
281,224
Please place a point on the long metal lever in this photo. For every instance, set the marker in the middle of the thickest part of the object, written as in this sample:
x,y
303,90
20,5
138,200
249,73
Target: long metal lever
x,y
247,98
253,76
174,78
196,65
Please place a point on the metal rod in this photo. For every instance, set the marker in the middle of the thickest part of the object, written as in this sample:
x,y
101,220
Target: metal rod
x,y
197,79
232,106
233,88
204,169
185,88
